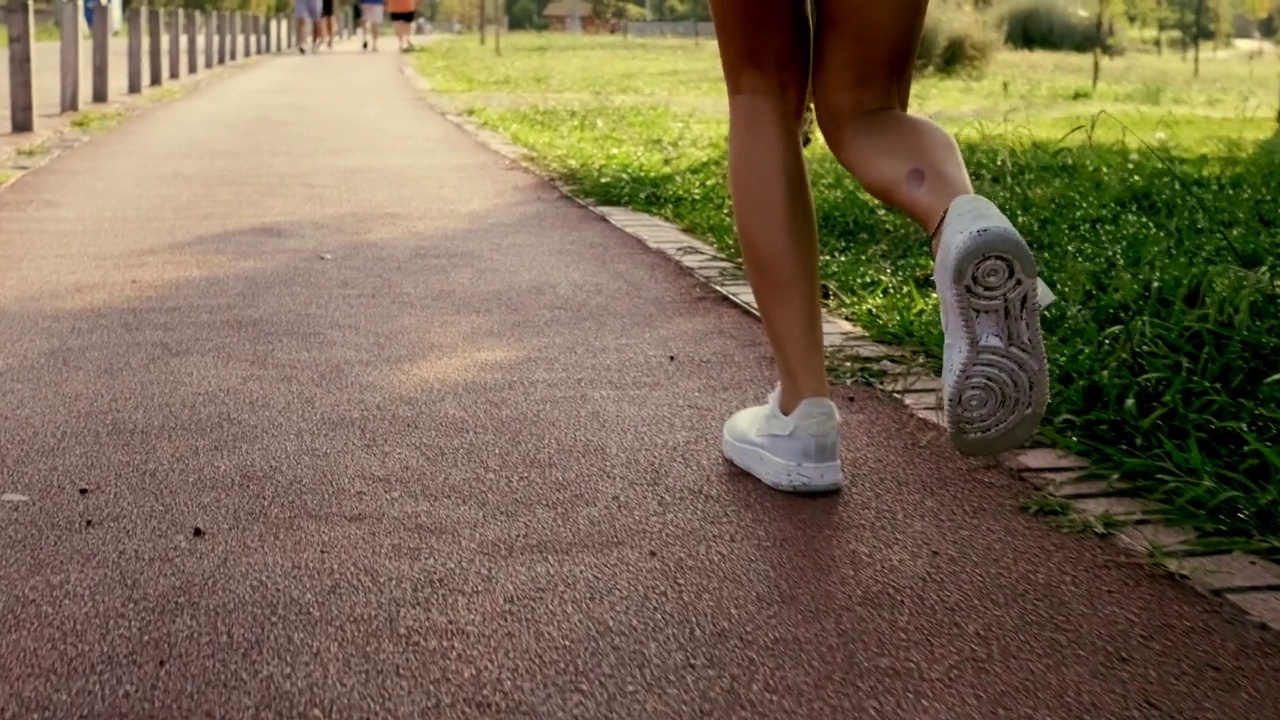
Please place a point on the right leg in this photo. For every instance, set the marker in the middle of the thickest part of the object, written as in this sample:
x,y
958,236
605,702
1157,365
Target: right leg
x,y
301,22
317,22
995,377
791,443
373,15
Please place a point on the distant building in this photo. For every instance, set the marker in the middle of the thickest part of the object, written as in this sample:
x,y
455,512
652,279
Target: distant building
x,y
559,14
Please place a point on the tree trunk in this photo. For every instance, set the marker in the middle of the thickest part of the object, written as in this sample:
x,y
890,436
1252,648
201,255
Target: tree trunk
x,y
1182,23
1097,48
1196,37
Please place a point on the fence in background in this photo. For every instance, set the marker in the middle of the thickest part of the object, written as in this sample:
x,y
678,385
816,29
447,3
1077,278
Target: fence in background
x,y
226,36
670,28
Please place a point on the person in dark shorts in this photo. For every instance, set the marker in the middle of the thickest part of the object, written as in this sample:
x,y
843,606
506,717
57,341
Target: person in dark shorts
x,y
356,22
328,24
402,14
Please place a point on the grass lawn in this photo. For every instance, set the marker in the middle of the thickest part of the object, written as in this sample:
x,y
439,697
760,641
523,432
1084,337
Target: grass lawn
x,y
1151,204
44,33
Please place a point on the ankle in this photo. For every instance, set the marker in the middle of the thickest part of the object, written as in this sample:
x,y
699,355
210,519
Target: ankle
x,y
790,398
937,232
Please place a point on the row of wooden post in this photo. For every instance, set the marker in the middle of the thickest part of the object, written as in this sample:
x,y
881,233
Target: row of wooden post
x,y
222,32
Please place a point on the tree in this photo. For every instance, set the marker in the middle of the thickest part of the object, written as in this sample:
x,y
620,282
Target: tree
x,y
1196,37
1107,11
1257,11
524,14
1149,13
1223,17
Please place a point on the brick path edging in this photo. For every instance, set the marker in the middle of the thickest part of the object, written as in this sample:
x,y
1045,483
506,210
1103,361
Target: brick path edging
x,y
1251,584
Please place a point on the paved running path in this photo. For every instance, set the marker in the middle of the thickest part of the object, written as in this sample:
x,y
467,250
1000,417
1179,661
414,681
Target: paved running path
x,y
467,467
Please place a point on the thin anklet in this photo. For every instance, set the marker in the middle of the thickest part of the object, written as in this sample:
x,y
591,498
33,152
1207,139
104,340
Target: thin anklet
x,y
933,236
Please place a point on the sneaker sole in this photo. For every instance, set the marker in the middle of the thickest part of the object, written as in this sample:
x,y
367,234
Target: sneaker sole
x,y
780,474
1000,394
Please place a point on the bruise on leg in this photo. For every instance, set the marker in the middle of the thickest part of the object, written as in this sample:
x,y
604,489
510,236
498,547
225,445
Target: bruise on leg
x,y
916,180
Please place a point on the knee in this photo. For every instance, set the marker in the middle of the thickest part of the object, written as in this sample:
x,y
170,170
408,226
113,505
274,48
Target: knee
x,y
781,93
840,121
841,109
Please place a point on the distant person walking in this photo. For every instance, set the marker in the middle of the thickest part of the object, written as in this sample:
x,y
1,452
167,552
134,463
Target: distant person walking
x,y
308,11
858,57
328,23
371,13
402,15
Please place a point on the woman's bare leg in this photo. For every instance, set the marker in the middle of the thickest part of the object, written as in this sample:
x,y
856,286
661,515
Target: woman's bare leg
x,y
995,378
864,53
790,443
765,50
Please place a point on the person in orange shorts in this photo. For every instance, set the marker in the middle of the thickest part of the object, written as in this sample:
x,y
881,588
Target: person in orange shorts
x,y
402,16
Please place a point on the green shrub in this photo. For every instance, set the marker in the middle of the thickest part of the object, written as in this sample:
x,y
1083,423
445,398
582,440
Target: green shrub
x,y
524,15
955,43
1048,25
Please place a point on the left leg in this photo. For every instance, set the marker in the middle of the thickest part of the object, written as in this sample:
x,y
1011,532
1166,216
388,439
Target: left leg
x,y
792,442
402,33
995,377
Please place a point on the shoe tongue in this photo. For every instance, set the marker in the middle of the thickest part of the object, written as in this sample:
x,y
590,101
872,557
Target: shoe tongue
x,y
774,398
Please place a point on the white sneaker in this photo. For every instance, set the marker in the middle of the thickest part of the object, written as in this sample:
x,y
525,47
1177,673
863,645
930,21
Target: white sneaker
x,y
995,378
797,453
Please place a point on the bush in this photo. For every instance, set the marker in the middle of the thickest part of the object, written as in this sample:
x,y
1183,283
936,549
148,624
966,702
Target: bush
x,y
1048,25
954,44
524,15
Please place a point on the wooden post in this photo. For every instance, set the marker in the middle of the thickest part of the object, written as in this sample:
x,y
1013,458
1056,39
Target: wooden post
x,y
69,60
257,34
175,43
193,49
280,21
696,13
267,22
135,50
246,30
222,36
155,38
101,53
233,43
292,32
207,19
22,106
